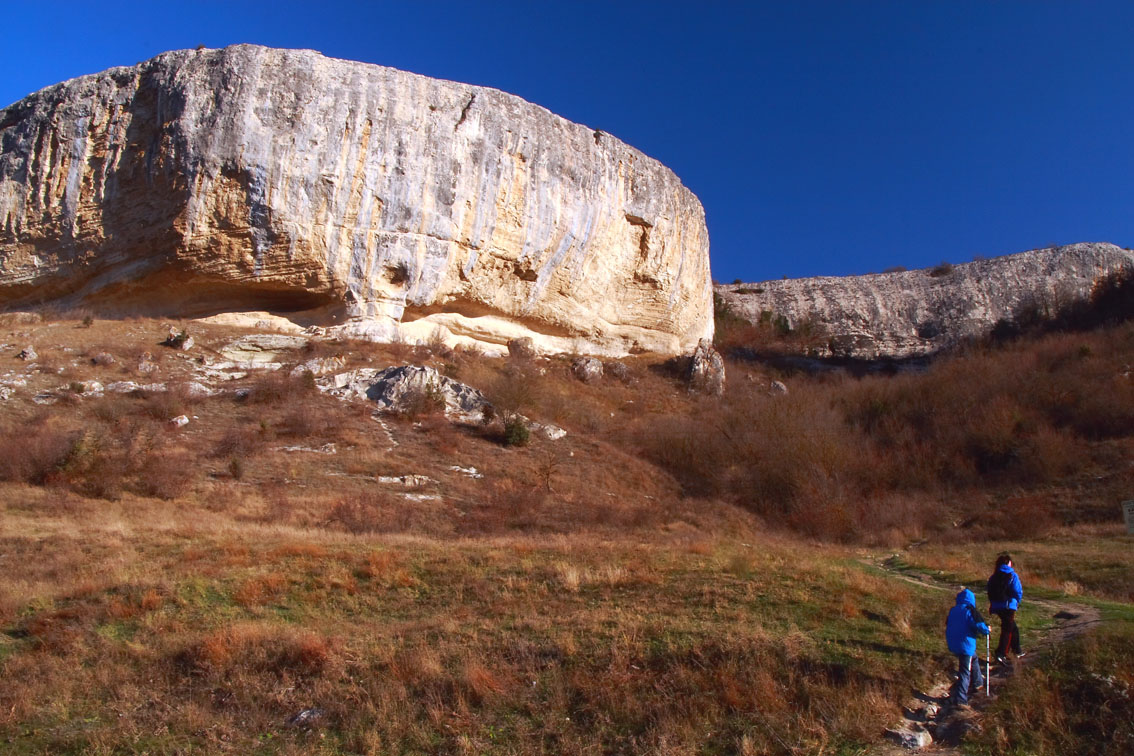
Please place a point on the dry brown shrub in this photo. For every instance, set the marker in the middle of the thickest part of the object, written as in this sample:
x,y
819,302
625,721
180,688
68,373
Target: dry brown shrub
x,y
377,564
165,405
281,387
305,420
260,590
34,454
60,630
167,475
256,648
377,512
239,442
302,550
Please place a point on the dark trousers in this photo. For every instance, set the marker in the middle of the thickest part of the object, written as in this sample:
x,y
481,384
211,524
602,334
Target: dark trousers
x,y
1009,632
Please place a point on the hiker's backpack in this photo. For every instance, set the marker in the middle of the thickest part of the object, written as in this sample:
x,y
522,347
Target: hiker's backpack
x,y
998,586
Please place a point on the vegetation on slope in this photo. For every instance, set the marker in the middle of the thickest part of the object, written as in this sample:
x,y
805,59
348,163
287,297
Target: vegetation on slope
x,y
194,589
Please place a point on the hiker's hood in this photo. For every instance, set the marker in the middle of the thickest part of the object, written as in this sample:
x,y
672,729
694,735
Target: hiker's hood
x,y
1007,568
966,598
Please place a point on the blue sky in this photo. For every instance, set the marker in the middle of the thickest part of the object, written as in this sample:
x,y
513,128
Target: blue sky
x,y
823,138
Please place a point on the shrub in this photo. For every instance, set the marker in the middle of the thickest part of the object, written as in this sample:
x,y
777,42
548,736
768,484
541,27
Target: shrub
x,y
281,387
422,401
516,432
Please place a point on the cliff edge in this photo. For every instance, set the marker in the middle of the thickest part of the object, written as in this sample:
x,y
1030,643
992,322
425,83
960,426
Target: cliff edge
x,y
919,312
379,202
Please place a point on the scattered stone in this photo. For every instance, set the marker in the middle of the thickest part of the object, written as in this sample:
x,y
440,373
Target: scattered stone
x,y
27,354
777,387
421,497
122,387
320,366
45,397
522,348
552,432
199,390
103,359
587,369
5,393
910,738
88,388
324,449
180,421
706,369
406,481
472,472
306,719
146,364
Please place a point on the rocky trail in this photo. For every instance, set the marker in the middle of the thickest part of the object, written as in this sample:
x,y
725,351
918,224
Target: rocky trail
x,y
930,724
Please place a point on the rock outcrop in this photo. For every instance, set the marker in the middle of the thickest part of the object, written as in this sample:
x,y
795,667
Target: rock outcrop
x,y
920,312
384,203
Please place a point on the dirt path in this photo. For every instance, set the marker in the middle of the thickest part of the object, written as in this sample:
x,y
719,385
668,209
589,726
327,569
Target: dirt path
x,y
930,725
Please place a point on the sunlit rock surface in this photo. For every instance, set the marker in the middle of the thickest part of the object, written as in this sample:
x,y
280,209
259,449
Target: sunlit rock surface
x,y
919,312
344,194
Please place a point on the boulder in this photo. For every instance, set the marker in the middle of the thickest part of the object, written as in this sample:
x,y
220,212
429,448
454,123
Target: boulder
x,y
396,389
587,369
911,738
28,353
262,350
348,196
706,369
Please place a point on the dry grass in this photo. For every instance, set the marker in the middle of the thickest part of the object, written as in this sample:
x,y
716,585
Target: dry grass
x,y
614,591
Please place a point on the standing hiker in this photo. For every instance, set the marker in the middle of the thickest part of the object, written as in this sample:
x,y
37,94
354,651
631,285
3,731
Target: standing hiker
x,y
962,628
1004,594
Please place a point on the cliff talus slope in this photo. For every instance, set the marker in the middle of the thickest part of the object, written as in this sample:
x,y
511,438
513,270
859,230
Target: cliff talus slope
x,y
919,312
376,200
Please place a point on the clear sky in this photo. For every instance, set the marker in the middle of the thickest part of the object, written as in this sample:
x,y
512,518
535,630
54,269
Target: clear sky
x,y
823,138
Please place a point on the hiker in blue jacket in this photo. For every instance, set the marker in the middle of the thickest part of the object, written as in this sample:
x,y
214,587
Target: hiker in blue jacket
x,y
962,628
1004,595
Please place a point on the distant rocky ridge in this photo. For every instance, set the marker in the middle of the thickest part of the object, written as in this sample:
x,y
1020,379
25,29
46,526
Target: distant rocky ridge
x,y
379,202
920,312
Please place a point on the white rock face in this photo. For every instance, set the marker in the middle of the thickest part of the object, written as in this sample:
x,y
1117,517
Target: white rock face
x,y
919,312
345,194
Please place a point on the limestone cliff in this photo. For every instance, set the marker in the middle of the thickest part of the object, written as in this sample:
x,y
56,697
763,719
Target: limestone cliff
x,y
919,312
250,178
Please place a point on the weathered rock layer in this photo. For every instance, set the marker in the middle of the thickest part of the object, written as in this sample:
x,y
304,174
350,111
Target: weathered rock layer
x,y
919,312
250,178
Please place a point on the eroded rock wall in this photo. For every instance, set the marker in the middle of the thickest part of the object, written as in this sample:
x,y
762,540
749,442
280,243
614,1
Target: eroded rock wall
x,y
373,199
919,312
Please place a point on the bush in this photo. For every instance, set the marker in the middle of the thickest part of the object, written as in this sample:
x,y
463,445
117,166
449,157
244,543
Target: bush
x,y
1078,700
516,432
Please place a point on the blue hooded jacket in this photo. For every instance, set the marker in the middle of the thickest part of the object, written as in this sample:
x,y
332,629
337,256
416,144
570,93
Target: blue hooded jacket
x,y
964,625
1014,591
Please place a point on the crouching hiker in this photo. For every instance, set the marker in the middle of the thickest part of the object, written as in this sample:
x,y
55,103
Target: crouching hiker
x,y
962,628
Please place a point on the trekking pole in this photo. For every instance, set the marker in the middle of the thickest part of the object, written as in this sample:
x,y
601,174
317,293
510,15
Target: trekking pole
x,y
987,664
